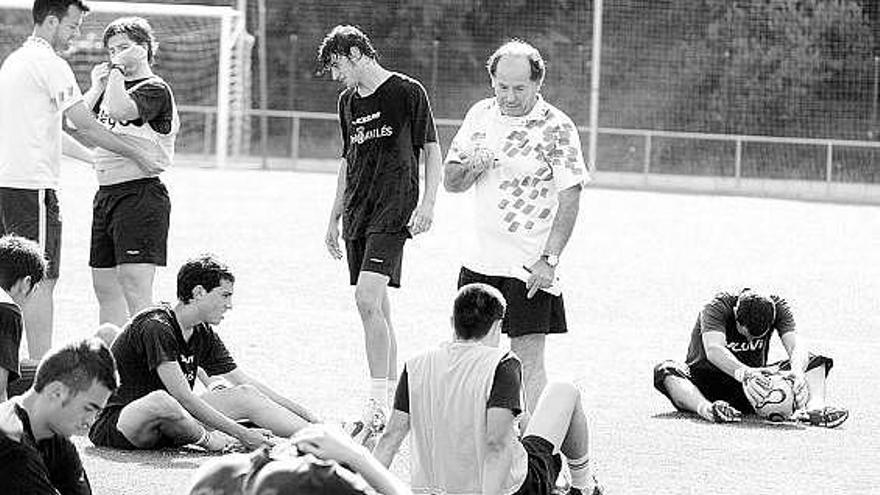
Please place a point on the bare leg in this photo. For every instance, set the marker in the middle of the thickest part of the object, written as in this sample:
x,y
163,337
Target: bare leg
x,y
157,414
246,402
369,295
136,280
38,314
686,396
111,300
816,384
530,350
392,338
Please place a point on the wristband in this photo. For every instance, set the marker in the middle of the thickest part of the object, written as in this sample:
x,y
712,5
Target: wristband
x,y
739,374
119,67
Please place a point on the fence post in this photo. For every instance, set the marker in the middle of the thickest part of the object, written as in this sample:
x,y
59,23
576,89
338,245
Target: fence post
x,y
435,63
646,169
829,162
737,161
291,85
209,130
294,141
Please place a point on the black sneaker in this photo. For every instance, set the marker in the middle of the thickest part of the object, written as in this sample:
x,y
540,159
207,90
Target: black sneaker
x,y
827,417
598,489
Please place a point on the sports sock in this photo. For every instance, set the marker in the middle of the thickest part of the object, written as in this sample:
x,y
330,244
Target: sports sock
x,y
379,391
581,474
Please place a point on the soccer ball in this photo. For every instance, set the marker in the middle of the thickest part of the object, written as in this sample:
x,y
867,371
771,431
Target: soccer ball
x,y
778,403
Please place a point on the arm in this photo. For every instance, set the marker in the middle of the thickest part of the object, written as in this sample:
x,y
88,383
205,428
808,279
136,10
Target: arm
x,y
117,102
459,176
4,375
423,215
332,237
496,466
389,443
88,129
172,377
542,274
333,444
74,149
239,377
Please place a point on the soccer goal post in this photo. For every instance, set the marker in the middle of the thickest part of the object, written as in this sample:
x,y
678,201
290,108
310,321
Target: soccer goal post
x,y
204,53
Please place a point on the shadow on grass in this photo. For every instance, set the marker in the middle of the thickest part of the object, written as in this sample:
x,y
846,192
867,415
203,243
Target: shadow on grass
x,y
750,422
181,458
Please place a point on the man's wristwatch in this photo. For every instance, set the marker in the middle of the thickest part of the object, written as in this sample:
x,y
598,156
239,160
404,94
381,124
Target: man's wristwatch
x,y
550,259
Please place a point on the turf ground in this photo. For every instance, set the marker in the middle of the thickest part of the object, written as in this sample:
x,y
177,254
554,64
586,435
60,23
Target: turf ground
x,y
637,270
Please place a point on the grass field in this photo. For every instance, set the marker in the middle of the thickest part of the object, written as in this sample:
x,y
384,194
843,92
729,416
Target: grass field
x,y
637,270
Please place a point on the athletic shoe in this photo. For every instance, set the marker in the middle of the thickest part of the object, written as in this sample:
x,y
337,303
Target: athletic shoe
x,y
217,441
827,417
722,412
375,417
598,489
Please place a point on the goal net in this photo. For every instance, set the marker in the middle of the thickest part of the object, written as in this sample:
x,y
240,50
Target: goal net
x,y
204,53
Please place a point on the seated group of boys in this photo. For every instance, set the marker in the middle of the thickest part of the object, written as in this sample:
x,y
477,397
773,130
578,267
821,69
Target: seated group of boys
x,y
461,403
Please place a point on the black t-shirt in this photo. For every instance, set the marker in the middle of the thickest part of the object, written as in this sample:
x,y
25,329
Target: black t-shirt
x,y
154,102
47,467
718,316
10,338
505,392
382,135
154,337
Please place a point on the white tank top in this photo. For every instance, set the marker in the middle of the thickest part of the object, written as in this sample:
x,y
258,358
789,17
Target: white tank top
x,y
112,168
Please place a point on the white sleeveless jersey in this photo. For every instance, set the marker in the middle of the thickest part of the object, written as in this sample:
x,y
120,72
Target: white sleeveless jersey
x,y
112,168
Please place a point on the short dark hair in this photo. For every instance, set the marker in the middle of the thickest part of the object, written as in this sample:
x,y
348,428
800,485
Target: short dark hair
x,y
205,270
756,312
476,308
339,41
137,29
517,47
78,365
20,258
58,8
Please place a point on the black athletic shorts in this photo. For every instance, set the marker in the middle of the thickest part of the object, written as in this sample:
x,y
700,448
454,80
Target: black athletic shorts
x,y
381,253
543,313
543,467
34,214
104,432
714,384
130,224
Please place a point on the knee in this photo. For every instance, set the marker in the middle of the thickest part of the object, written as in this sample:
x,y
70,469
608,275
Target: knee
x,y
106,288
368,302
161,404
131,281
107,332
246,393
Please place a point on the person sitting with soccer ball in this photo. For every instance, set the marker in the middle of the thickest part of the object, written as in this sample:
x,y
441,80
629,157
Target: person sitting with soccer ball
x,y
726,373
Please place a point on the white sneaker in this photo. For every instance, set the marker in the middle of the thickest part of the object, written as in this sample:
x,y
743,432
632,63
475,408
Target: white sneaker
x,y
217,441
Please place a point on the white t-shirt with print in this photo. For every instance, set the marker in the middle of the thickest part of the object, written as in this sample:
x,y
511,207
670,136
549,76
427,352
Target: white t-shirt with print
x,y
516,199
36,87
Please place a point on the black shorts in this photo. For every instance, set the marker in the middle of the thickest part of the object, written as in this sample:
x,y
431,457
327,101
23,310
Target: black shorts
x,y
104,432
543,313
130,224
34,214
714,384
380,252
543,467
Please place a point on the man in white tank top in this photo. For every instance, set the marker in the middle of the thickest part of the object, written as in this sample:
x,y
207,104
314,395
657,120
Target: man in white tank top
x,y
462,401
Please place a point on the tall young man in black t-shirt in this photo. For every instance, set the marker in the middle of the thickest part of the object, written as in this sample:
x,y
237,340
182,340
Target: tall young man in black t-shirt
x,y
71,386
159,353
461,403
729,345
131,209
22,267
386,123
